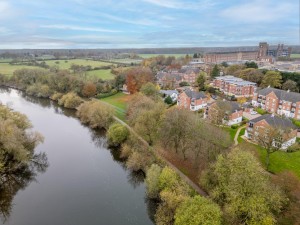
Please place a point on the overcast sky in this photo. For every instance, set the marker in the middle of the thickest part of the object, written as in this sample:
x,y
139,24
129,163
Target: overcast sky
x,y
146,23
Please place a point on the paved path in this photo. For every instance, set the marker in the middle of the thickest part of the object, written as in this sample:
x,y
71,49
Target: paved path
x,y
237,135
182,175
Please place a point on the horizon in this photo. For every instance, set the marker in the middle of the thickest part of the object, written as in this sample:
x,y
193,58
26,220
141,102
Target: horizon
x,y
146,24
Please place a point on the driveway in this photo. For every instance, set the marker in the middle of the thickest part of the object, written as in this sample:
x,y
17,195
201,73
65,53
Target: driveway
x,y
249,116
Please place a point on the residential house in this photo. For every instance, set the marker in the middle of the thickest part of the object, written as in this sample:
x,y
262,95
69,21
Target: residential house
x,y
172,93
231,85
173,78
278,101
192,100
259,126
227,112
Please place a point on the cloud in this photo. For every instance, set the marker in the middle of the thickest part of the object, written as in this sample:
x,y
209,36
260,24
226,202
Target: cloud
x,y
258,11
77,28
176,4
144,22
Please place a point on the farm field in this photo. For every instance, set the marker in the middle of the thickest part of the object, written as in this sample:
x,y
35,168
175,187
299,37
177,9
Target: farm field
x,y
293,56
146,56
66,64
127,61
102,74
7,69
119,102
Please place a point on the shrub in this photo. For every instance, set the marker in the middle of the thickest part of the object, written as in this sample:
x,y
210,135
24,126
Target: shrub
x,y
105,95
56,96
39,90
261,111
294,148
234,126
96,114
70,100
152,179
117,134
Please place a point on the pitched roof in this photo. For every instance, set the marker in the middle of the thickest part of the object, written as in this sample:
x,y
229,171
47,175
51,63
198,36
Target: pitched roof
x,y
281,94
231,106
195,94
275,121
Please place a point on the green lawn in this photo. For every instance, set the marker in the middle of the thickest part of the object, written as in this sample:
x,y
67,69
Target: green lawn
x,y
293,56
7,69
146,56
281,161
119,102
231,132
103,74
66,64
127,61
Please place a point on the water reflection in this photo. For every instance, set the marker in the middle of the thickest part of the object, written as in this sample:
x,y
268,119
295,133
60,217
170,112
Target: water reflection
x,y
10,184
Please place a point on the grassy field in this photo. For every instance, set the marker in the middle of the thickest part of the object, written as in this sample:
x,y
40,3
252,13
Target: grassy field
x,y
7,69
293,56
66,64
127,61
119,102
146,56
281,161
103,74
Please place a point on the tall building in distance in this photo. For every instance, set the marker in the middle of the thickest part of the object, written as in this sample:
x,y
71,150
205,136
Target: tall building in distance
x,y
264,53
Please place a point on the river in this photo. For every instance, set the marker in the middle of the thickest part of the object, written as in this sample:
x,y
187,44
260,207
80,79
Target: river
x,y
85,182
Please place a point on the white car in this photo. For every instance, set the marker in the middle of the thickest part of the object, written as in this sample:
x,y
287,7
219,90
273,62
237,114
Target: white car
x,y
253,112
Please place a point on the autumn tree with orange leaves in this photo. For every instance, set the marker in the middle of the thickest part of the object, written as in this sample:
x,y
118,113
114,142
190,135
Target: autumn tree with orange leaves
x,y
137,77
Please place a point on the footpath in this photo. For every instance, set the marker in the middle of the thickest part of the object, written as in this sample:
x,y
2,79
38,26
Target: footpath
x,y
182,175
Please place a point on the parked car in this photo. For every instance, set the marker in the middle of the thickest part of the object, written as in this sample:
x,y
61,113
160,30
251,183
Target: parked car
x,y
253,112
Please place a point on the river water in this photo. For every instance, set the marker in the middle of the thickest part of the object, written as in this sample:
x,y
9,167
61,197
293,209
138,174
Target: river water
x,y
85,182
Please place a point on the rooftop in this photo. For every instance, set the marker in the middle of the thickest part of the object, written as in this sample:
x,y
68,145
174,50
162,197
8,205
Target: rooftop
x,y
275,121
281,94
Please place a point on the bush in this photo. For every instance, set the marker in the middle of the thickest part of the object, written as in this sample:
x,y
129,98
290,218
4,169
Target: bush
x,y
234,126
152,179
117,134
56,96
96,114
294,148
70,100
105,95
39,90
261,111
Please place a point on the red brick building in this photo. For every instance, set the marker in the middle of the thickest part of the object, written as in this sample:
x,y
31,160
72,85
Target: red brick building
x,y
231,85
260,126
192,100
173,78
278,101
232,112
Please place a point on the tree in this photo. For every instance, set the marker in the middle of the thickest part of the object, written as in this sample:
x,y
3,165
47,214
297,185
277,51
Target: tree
x,y
147,123
290,85
234,69
70,100
201,81
215,71
96,114
218,111
224,64
251,65
183,84
251,74
152,179
239,184
150,90
198,210
117,134
137,77
168,100
271,139
272,79
177,130
89,90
